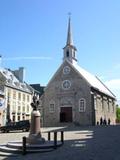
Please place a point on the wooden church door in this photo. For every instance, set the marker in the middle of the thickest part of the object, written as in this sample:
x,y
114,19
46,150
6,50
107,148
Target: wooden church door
x,y
66,114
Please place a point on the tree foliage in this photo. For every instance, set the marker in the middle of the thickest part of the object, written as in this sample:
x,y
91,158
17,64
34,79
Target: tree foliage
x,y
118,113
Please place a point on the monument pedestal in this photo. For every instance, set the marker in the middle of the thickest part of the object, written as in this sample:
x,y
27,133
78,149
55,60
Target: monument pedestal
x,y
35,132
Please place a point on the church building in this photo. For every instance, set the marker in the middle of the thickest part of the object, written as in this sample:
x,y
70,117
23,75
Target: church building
x,y
73,95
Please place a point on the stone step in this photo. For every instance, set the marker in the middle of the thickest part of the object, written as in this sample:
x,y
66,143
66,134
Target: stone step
x,y
5,154
6,150
47,144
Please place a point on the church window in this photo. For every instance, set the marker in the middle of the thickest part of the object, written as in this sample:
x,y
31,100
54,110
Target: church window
x,y
66,84
82,105
67,54
95,103
66,70
52,107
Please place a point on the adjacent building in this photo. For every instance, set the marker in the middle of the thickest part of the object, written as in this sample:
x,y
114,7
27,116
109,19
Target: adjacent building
x,y
17,95
38,89
2,105
74,95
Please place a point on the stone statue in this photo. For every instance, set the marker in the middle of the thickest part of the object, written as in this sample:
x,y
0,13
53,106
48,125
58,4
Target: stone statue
x,y
35,130
35,103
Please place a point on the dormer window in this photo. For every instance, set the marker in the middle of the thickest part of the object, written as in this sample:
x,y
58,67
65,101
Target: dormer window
x,y
67,53
11,77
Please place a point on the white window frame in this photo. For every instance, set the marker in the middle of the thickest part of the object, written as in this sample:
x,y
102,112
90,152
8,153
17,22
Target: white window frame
x,y
82,105
52,103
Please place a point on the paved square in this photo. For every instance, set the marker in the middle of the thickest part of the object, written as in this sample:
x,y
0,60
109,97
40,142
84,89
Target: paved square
x,y
81,143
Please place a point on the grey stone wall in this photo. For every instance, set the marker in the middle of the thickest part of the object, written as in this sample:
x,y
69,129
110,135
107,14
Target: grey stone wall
x,y
105,108
54,92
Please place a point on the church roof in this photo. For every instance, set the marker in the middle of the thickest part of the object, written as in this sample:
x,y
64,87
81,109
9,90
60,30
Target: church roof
x,y
93,80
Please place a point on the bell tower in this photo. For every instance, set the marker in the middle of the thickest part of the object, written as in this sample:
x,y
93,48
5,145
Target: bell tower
x,y
69,49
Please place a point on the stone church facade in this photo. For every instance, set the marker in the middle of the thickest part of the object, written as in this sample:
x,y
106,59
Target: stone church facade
x,y
74,95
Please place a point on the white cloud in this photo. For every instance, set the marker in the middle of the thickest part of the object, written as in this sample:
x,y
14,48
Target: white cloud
x,y
27,58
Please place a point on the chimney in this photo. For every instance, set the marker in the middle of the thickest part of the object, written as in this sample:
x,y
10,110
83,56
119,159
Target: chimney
x,y
20,74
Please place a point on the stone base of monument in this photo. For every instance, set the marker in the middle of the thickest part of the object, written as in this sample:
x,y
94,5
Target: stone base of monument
x,y
32,144
35,139
16,147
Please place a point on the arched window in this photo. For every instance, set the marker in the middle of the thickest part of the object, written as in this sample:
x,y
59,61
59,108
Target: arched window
x,y
82,105
67,53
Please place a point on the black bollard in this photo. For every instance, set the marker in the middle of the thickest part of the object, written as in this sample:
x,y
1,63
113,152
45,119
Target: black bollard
x,y
24,146
62,137
48,136
55,140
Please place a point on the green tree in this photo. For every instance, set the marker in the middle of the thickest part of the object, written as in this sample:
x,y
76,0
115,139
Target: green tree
x,y
118,113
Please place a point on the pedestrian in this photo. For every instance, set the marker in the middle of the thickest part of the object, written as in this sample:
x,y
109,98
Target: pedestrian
x,y
104,122
101,121
109,121
97,122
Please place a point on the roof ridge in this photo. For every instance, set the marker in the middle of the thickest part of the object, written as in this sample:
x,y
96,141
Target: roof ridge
x,y
106,86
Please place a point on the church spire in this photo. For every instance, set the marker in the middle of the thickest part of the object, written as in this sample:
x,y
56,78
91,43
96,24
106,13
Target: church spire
x,y
69,35
69,49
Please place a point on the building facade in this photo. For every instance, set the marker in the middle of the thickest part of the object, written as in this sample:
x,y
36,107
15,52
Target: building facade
x,y
2,105
74,95
38,89
17,95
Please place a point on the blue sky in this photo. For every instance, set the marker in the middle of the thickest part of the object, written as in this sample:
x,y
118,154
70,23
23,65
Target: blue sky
x,y
33,33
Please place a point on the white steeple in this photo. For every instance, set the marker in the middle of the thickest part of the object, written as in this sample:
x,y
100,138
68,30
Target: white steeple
x,y
69,35
69,49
